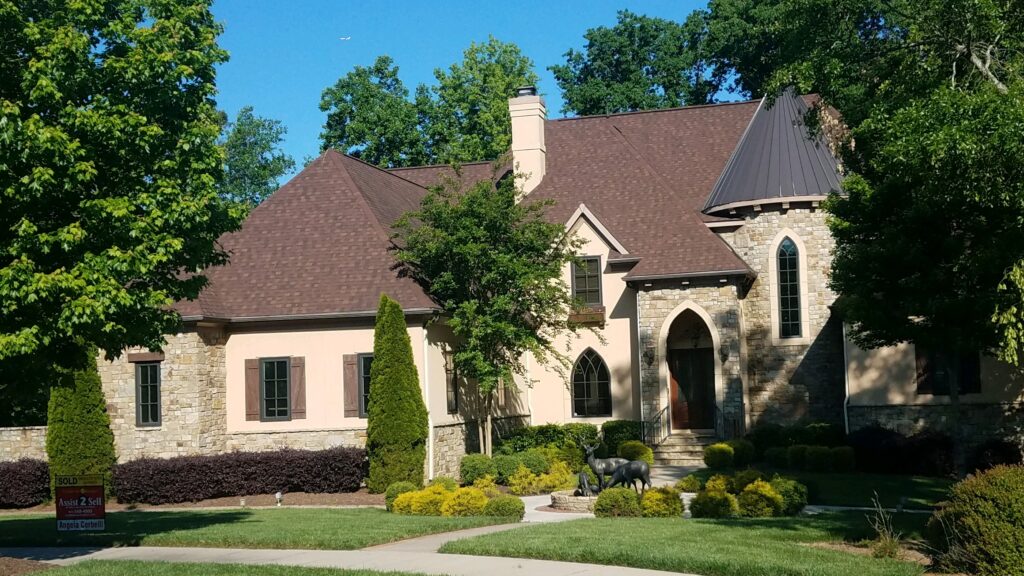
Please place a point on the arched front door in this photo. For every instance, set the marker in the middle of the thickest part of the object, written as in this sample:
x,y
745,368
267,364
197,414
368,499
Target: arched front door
x,y
691,366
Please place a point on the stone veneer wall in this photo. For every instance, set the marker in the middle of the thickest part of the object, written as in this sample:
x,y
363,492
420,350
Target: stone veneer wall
x,y
720,301
453,441
790,382
978,422
23,442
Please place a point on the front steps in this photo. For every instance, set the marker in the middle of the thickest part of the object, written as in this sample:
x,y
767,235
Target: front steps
x,y
684,448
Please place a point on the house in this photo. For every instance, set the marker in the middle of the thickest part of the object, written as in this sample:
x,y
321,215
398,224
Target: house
x,y
704,270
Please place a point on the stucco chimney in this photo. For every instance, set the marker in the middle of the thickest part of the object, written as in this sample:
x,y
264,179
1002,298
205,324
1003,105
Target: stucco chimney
x,y
529,154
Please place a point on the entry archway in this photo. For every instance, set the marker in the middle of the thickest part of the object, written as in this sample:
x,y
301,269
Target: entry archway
x,y
690,370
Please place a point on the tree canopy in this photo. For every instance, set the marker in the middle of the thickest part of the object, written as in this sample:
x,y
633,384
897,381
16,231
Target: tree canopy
x,y
254,162
110,165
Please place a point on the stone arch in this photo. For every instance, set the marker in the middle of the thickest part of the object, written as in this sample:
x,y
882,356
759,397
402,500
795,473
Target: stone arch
x,y
773,289
662,355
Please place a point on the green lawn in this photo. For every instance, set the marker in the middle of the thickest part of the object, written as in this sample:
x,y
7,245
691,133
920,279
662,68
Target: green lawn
x,y
743,547
330,529
132,568
858,489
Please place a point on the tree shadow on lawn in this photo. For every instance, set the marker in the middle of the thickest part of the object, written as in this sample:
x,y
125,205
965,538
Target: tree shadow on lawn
x,y
849,526
122,528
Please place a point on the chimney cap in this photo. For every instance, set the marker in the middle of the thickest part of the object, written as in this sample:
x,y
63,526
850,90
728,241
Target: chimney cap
x,y
526,91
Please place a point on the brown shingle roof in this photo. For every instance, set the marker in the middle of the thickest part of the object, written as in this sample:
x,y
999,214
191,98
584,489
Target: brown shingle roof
x,y
428,176
316,247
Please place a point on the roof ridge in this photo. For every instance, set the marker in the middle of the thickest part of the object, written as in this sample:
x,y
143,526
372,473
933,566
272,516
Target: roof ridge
x,y
375,167
654,110
439,165
729,163
360,193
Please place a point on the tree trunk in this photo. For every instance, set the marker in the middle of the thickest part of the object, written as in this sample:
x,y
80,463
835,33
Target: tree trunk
x,y
490,404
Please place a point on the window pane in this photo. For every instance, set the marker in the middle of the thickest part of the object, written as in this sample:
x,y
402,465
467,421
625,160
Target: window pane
x,y
789,289
591,386
587,281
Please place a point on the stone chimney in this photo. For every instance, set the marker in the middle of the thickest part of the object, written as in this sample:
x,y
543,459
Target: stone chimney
x,y
529,155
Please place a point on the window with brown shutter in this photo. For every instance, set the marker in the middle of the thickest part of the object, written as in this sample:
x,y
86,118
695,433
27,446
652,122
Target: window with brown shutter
x,y
252,389
350,375
298,387
938,371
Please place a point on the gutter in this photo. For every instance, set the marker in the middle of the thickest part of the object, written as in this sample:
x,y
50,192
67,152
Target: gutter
x,y
317,316
688,275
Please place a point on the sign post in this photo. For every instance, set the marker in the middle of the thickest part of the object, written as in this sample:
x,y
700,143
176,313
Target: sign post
x,y
80,503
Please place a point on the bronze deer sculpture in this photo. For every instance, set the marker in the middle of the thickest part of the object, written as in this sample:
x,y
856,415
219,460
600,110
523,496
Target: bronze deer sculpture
x,y
629,473
602,466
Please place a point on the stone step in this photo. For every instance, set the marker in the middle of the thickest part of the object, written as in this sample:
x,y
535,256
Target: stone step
x,y
659,461
692,450
688,441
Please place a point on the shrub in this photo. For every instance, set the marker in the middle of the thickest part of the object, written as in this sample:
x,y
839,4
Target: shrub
x,y
878,449
26,482
634,450
796,456
743,479
615,432
394,491
579,433
777,457
714,504
488,486
760,500
464,502
981,529
843,459
718,483
523,482
616,503
690,484
194,478
743,452
474,466
662,502
818,459
929,453
522,439
768,436
817,434
403,503
449,483
559,477
396,425
535,460
719,456
995,452
428,502
505,507
794,495
571,454
78,436
505,465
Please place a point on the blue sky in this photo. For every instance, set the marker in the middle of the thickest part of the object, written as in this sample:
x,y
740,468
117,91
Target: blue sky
x,y
284,53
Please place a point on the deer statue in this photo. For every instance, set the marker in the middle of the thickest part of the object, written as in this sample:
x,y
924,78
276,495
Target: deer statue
x,y
602,466
585,487
629,473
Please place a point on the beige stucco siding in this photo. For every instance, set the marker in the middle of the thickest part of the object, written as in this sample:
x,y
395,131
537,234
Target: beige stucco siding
x,y
550,396
887,376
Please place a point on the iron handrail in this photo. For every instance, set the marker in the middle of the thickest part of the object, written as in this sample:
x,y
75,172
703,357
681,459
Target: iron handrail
x,y
655,429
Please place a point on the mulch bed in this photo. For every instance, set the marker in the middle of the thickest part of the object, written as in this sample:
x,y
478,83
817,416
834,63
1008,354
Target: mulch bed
x,y
906,555
360,498
17,566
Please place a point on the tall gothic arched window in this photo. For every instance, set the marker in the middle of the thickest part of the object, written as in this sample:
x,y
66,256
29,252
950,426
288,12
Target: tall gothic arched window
x,y
789,289
591,386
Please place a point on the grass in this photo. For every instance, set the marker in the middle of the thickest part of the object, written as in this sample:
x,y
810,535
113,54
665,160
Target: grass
x,y
133,568
741,547
327,529
858,489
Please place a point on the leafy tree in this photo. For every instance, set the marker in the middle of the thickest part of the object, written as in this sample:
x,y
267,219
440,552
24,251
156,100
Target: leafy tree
x,y
396,428
110,164
641,63
78,436
369,116
466,115
254,161
494,265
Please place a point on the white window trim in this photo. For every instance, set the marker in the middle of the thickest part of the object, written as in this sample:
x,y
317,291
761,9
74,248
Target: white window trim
x,y
773,290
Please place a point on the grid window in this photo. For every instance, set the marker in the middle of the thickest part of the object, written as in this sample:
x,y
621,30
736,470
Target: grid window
x,y
453,391
274,388
938,372
147,394
365,363
789,290
586,281
591,386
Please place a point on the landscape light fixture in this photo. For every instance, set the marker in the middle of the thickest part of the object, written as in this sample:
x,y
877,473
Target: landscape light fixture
x,y
279,497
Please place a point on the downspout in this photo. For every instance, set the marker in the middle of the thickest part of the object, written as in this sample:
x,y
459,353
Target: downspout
x,y
846,384
529,389
639,357
426,400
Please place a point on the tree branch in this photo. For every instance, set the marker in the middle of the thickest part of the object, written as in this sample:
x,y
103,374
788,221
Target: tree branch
x,y
983,67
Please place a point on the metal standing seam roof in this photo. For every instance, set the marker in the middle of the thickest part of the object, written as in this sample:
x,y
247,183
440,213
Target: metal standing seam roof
x,y
776,159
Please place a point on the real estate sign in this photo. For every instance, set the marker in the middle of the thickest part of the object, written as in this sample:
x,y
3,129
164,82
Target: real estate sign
x,y
80,503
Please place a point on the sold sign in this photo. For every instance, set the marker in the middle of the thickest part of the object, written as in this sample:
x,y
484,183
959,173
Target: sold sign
x,y
80,503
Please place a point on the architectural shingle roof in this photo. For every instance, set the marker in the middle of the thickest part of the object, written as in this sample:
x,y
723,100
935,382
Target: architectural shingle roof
x,y
776,160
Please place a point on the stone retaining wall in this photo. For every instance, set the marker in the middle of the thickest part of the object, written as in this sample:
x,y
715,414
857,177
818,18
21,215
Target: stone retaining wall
x,y
23,442
978,422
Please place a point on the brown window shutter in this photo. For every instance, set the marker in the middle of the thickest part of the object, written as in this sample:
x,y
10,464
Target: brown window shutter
x,y
252,389
351,385
298,388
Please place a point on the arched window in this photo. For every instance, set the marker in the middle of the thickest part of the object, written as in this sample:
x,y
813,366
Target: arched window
x,y
789,289
591,386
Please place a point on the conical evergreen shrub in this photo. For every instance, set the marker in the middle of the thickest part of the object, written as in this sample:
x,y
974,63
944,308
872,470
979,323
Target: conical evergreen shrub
x,y
396,431
78,436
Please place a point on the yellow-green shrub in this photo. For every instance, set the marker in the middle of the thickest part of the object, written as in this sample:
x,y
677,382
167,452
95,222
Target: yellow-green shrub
x,y
394,490
617,502
467,501
635,450
403,503
718,483
505,507
663,502
690,484
449,483
428,502
743,479
559,477
760,500
488,486
714,504
523,482
719,456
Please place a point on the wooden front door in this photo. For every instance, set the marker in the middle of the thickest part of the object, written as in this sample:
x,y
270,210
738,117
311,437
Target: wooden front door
x,y
692,375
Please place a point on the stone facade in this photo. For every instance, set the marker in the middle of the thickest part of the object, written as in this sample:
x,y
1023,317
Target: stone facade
x,y
23,442
297,439
978,422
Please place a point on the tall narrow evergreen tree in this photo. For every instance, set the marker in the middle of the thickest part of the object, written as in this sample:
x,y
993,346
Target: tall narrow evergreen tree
x,y
78,436
396,430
